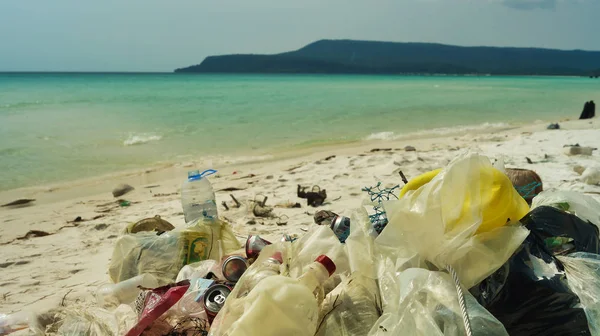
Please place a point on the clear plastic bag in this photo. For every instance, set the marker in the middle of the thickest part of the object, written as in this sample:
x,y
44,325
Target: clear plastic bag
x,y
459,218
583,206
163,256
351,309
91,321
583,278
428,305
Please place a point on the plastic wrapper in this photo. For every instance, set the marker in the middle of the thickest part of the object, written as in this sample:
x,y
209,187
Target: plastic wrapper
x,y
196,270
583,277
428,305
530,294
152,304
351,309
163,256
583,206
460,218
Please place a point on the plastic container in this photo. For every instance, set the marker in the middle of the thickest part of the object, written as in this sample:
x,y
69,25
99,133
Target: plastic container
x,y
279,305
15,322
191,302
267,268
198,197
125,291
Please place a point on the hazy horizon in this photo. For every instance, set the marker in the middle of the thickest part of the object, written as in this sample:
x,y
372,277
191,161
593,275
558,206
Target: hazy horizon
x,y
152,36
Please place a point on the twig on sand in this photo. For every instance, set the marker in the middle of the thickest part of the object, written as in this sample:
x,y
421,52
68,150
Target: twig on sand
x,y
237,203
403,177
224,204
62,302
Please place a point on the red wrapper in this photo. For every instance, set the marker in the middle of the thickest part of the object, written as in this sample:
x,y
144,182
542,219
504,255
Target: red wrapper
x,y
156,303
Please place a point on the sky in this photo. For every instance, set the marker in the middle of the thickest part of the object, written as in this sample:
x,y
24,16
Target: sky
x,y
159,35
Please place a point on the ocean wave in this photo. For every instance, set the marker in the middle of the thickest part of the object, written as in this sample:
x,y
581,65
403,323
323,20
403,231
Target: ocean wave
x,y
382,136
140,139
436,131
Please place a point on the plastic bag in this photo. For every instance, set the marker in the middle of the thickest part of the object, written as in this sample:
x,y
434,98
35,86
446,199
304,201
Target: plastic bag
x,y
583,206
428,305
583,277
562,232
92,321
163,256
530,294
443,220
351,309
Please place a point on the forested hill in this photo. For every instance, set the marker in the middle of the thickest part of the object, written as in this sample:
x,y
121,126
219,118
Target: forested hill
x,y
369,57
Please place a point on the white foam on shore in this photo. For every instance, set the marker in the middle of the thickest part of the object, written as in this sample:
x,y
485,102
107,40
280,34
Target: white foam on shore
x,y
140,139
387,135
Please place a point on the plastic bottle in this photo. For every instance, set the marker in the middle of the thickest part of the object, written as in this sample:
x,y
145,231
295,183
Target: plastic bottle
x,y
125,291
267,268
279,305
15,322
198,197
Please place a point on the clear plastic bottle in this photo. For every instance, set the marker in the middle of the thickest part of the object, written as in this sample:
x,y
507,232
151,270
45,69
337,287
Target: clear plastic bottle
x,y
197,196
267,268
15,322
124,291
278,305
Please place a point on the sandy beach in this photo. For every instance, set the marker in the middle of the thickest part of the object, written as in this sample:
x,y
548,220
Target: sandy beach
x,y
70,262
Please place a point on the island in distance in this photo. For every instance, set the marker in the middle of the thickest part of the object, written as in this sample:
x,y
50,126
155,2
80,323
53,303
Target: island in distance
x,y
371,57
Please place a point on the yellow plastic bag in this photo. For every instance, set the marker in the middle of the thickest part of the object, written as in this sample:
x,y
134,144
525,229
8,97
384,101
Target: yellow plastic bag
x,y
500,201
458,218
163,256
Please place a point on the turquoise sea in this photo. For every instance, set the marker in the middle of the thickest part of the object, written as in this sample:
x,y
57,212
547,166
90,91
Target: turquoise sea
x,y
56,127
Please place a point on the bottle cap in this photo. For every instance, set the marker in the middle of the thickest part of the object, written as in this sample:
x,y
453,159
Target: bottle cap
x,y
277,256
327,263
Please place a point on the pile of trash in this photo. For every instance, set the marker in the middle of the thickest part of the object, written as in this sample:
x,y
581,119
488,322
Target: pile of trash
x,y
456,251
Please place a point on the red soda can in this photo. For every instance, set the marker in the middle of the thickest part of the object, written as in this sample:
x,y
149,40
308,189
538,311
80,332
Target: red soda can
x,y
254,244
234,267
214,299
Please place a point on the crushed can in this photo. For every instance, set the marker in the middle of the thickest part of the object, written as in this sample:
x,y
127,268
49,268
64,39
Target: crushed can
x,y
341,227
255,244
234,267
214,299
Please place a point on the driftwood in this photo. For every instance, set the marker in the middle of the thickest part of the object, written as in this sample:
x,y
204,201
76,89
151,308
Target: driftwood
x,y
315,197
19,203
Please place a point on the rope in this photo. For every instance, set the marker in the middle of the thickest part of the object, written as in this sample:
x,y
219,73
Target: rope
x,y
379,195
461,301
528,190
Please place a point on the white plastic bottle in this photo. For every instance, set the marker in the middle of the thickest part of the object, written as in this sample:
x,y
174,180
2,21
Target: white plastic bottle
x,y
197,196
279,305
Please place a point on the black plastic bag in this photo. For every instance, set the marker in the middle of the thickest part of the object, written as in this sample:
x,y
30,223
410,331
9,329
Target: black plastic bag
x,y
529,294
548,223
